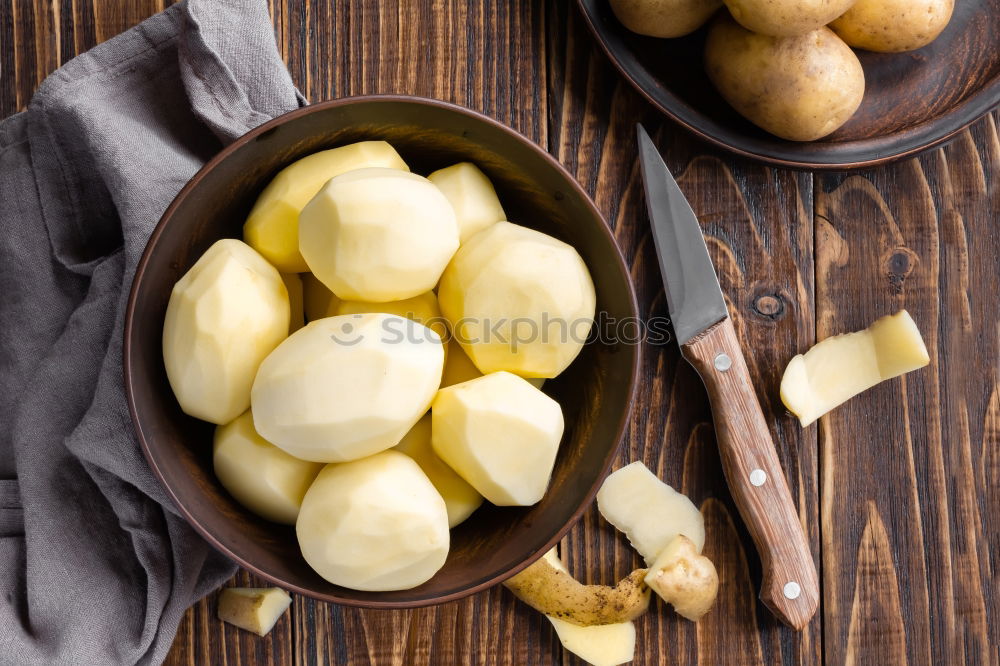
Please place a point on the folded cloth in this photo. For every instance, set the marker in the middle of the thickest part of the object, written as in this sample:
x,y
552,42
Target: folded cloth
x,y
96,566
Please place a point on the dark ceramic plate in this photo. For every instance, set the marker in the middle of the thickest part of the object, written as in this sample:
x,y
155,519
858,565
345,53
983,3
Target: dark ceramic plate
x,y
912,100
595,392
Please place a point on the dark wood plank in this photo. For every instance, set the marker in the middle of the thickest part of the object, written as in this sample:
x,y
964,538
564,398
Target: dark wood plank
x,y
204,639
36,36
910,468
909,551
759,225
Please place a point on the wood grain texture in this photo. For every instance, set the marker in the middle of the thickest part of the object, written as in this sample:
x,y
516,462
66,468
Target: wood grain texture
x,y
204,639
909,499
905,481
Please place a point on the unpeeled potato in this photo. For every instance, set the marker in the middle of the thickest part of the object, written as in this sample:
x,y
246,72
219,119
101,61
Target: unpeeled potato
x,y
786,18
798,88
684,578
892,26
664,18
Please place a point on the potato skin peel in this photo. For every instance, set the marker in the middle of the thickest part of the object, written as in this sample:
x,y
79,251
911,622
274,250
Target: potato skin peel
x,y
685,579
556,593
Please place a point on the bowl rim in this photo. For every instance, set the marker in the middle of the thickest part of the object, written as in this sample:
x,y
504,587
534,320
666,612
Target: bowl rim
x,y
907,142
127,347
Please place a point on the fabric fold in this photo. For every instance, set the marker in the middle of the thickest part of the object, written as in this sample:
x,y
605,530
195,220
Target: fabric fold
x,y
11,516
96,566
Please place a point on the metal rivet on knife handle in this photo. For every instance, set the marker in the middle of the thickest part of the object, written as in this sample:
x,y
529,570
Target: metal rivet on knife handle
x,y
723,362
792,590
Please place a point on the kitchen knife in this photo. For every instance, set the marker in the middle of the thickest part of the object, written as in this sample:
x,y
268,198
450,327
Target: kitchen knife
x,y
708,341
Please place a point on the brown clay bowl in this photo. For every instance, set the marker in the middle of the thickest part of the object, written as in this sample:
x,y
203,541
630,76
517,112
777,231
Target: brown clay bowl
x,y
595,392
913,100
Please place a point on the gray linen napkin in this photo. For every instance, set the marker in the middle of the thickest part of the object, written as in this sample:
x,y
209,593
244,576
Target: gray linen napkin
x,y
96,567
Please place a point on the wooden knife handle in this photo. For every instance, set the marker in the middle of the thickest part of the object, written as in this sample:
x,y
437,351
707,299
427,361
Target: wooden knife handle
x,y
790,587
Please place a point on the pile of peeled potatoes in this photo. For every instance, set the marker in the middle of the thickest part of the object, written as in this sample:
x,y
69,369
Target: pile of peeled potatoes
x,y
361,296
787,65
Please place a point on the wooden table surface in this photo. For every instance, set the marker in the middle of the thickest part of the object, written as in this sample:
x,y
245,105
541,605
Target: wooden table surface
x,y
898,489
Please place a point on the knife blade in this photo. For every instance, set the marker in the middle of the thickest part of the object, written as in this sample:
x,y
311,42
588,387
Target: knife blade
x,y
708,340
694,296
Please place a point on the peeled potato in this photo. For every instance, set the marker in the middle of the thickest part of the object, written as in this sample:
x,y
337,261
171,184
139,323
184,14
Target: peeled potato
x,y
458,368
296,301
598,644
273,225
460,498
374,524
518,300
500,434
261,477
664,18
422,308
893,26
378,235
838,368
255,609
224,316
346,387
472,196
786,18
319,302
648,511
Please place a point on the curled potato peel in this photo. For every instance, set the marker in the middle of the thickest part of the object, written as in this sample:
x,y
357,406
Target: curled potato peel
x,y
556,593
